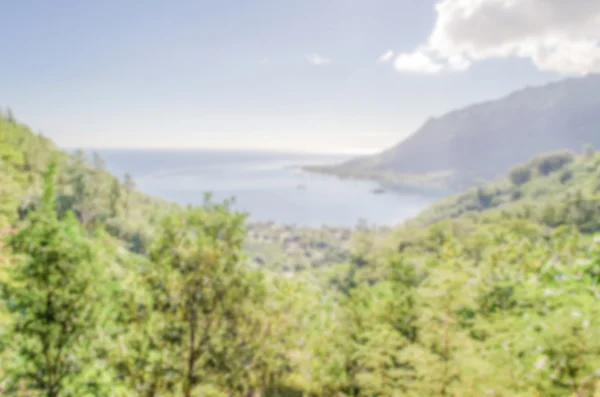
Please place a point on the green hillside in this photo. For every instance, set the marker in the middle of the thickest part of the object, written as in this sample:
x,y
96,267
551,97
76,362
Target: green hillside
x,y
108,292
554,188
82,185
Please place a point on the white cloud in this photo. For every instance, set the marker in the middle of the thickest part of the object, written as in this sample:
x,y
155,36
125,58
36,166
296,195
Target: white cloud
x,y
386,57
317,59
556,35
417,62
458,62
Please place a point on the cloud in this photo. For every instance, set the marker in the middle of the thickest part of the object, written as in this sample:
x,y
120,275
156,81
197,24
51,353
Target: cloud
x,y
417,62
317,59
386,57
458,62
556,35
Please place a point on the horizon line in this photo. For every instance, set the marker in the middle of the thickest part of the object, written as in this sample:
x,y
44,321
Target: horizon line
x,y
232,149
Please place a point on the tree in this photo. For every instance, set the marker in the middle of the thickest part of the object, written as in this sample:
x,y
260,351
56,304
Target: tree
x,y
588,151
380,327
10,117
83,196
53,295
520,175
129,185
10,179
484,197
98,162
552,162
566,176
115,198
203,320
85,188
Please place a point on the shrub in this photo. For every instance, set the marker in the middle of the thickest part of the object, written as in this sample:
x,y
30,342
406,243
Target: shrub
x,y
552,162
566,176
520,175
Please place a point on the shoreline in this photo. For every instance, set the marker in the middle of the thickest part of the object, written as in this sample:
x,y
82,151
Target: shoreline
x,y
435,192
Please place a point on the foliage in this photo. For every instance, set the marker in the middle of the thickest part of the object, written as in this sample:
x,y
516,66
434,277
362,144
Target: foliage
x,y
105,291
520,175
204,317
53,292
568,196
552,162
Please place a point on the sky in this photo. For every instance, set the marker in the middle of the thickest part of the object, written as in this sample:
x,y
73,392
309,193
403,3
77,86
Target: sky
x,y
299,75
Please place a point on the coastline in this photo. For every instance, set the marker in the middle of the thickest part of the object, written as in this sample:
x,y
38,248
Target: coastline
x,y
392,183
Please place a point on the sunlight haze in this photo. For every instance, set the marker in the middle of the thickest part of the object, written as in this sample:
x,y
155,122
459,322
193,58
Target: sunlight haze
x,y
300,198
313,75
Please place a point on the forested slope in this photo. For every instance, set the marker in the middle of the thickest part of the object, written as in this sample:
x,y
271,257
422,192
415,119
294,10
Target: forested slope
x,y
554,188
82,185
492,300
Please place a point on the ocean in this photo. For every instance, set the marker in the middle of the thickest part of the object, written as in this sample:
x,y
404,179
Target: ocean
x,y
265,184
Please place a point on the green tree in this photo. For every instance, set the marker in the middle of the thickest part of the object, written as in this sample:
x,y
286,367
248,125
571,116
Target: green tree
x,y
53,294
484,197
129,185
115,199
566,176
98,162
10,117
85,190
10,180
588,151
202,321
520,175
552,162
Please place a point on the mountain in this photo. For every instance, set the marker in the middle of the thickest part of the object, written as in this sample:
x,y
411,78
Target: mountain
x,y
501,279
485,139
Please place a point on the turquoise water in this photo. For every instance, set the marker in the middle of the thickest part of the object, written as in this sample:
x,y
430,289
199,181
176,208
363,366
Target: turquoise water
x,y
264,184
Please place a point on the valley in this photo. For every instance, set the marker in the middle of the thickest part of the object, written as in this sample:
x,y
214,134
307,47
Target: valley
x,y
493,289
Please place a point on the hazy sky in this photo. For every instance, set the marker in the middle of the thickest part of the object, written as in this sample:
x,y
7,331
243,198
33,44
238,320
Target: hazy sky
x,y
319,75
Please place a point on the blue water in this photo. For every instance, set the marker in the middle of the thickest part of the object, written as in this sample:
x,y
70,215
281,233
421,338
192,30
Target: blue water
x,y
263,184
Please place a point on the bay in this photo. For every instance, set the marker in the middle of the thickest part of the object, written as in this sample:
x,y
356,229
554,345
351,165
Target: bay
x,y
267,185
